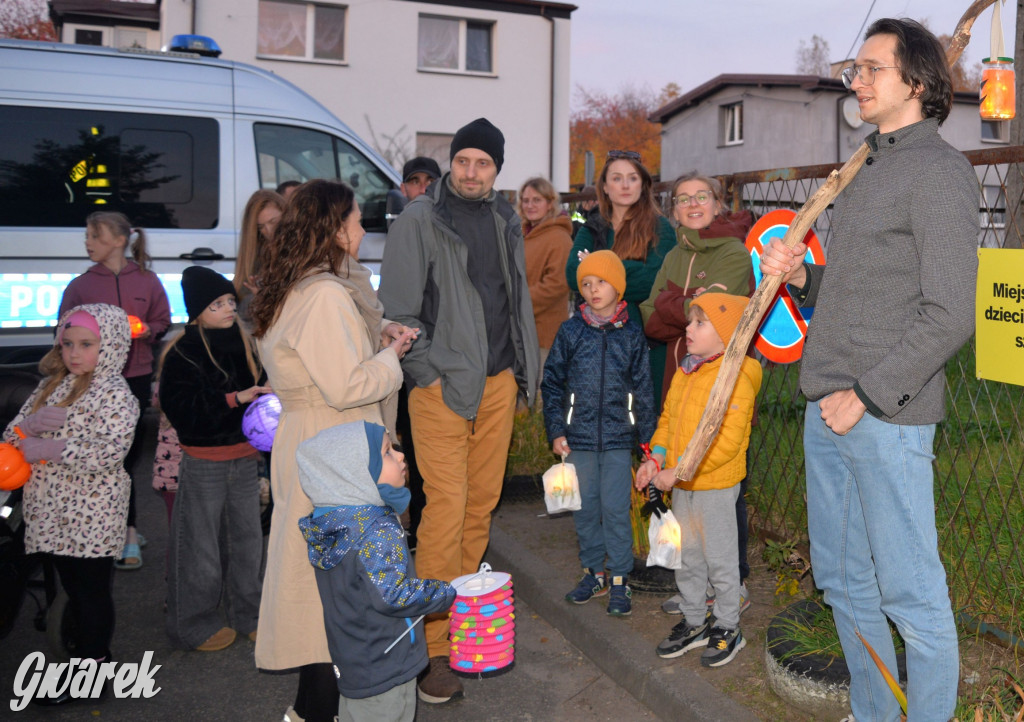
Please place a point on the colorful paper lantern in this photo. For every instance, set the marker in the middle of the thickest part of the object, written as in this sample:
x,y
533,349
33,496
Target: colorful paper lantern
x,y
137,326
481,623
14,470
259,423
998,90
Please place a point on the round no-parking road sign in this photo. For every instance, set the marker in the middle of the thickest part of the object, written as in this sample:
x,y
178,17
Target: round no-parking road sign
x,y
780,338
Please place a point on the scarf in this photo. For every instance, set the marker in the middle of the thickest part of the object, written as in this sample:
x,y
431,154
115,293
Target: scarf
x,y
691,363
357,283
617,319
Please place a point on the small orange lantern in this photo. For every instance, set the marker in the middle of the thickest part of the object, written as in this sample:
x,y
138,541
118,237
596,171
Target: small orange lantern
x,y
14,470
998,92
137,326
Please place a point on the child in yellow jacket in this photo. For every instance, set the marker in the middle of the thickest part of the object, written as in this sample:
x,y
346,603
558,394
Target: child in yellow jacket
x,y
706,506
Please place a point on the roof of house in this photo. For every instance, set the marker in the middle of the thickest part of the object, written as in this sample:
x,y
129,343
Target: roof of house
x,y
695,96
529,7
96,11
812,83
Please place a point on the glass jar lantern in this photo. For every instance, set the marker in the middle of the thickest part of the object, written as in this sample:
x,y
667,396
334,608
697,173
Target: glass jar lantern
x,y
998,93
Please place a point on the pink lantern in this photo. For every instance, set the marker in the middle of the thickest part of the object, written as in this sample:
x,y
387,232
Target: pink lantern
x,y
259,423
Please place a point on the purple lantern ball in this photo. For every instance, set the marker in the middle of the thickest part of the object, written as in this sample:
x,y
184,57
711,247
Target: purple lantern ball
x,y
259,423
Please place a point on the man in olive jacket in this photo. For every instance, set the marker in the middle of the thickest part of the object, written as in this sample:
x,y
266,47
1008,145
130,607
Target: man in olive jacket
x,y
894,303
454,268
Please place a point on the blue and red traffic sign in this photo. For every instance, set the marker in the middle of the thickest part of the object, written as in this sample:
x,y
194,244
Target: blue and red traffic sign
x,y
780,338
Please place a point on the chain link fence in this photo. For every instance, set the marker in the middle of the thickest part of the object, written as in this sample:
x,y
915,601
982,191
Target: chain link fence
x,y
979,448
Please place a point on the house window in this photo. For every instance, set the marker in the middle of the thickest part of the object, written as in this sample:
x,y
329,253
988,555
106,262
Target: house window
x,y
130,38
995,131
732,124
993,207
88,37
464,46
301,30
434,145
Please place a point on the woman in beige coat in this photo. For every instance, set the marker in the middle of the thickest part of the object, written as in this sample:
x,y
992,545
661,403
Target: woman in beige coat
x,y
331,358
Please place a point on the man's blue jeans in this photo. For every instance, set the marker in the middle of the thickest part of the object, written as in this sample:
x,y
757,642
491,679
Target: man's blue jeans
x,y
602,524
874,552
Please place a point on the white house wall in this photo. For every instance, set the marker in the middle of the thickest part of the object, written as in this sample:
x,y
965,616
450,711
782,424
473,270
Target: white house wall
x,y
380,93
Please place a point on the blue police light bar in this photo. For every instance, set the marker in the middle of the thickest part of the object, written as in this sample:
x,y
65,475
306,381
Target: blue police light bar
x,y
198,44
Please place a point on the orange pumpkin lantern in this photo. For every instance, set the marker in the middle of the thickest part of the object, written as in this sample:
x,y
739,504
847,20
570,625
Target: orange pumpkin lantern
x,y
137,326
14,470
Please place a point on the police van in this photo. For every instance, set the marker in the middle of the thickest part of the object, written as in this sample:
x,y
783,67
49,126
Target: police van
x,y
175,141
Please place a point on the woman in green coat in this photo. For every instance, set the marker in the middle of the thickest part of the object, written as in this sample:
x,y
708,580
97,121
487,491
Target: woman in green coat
x,y
631,225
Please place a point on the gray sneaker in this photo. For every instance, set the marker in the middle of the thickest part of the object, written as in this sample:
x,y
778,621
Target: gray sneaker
x,y
672,605
683,638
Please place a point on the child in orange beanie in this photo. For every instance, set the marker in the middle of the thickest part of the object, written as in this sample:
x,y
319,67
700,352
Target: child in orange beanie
x,y
706,506
598,405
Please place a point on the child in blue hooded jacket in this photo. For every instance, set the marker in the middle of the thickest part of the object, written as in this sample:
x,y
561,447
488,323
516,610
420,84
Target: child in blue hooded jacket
x,y
598,406
364,574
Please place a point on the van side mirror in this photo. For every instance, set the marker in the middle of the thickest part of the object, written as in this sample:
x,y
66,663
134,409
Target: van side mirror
x,y
393,205
202,254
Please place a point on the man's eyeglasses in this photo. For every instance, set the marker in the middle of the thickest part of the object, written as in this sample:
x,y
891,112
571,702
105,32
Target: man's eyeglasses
x,y
628,154
866,73
701,198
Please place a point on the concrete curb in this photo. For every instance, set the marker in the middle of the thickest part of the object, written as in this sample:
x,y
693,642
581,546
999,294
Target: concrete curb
x,y
671,692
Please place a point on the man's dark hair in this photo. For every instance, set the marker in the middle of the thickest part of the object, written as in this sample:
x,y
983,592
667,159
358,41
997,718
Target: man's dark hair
x,y
922,63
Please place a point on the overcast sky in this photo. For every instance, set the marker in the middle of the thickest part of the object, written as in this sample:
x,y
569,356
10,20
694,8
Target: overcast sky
x,y
617,43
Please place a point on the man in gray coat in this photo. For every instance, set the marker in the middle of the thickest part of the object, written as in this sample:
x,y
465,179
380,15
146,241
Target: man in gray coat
x,y
894,303
454,268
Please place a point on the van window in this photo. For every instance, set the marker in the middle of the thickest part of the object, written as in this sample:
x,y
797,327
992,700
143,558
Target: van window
x,y
288,153
58,165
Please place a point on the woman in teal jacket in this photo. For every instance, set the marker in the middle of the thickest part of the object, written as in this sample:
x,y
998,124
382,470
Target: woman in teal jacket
x,y
631,224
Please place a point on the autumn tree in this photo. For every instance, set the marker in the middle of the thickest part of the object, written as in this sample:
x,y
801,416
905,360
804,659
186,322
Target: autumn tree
x,y
25,20
966,79
813,58
615,121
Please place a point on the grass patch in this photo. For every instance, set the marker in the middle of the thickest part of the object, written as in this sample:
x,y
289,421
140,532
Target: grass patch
x,y
979,465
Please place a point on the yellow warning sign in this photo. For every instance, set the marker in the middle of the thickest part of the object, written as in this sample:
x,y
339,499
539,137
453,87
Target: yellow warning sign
x,y
999,315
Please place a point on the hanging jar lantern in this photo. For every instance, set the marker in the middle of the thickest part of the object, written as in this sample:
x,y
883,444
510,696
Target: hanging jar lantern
x,y
998,91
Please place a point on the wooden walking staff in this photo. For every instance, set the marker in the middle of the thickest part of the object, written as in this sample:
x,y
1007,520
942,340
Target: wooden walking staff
x,y
722,390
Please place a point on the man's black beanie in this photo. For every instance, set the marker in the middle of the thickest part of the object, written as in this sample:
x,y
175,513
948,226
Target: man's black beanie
x,y
482,135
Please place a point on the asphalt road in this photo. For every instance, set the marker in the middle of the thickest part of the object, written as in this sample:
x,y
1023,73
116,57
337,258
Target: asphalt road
x,y
552,680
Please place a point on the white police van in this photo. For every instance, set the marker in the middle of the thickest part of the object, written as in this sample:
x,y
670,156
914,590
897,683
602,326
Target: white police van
x,y
175,141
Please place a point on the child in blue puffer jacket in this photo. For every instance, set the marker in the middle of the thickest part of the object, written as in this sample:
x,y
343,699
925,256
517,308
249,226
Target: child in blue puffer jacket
x,y
364,575
598,405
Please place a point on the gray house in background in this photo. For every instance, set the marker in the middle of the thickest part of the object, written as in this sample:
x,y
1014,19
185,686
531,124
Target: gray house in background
x,y
737,123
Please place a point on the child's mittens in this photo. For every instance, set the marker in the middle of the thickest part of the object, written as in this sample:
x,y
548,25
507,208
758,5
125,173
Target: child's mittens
x,y
48,418
36,449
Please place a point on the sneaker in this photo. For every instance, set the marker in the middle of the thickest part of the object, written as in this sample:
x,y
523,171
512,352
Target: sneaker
x,y
620,601
591,585
439,684
290,715
682,639
673,605
723,644
744,598
709,599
